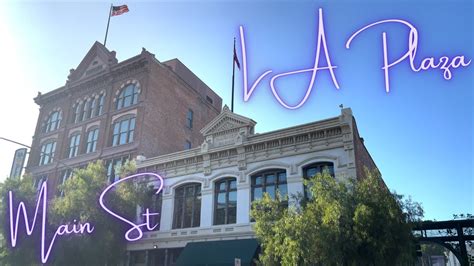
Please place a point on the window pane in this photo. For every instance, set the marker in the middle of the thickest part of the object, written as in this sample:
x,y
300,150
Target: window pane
x,y
116,128
232,214
257,193
258,180
221,200
178,210
123,138
271,179
271,191
233,197
179,192
220,216
124,126
127,101
282,178
233,184
283,190
222,186
311,172
197,211
188,211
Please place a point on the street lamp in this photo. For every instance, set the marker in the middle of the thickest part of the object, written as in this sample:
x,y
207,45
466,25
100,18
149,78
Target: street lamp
x,y
19,158
21,144
29,147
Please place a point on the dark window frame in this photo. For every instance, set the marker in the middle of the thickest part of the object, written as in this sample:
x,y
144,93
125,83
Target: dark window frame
x,y
264,184
91,142
47,157
74,144
227,190
189,118
100,105
128,134
180,208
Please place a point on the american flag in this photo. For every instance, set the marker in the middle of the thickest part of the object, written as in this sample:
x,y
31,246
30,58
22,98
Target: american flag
x,y
119,10
236,59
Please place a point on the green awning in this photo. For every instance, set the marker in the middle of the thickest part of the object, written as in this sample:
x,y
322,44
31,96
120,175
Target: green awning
x,y
218,253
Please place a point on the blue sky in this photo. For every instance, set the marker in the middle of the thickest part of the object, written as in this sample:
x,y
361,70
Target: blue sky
x,y
420,134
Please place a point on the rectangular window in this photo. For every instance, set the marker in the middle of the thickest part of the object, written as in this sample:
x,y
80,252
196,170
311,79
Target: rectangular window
x,y
113,165
47,153
65,175
123,131
187,145
187,206
92,108
189,119
74,145
85,110
225,202
100,106
271,182
39,181
77,113
92,137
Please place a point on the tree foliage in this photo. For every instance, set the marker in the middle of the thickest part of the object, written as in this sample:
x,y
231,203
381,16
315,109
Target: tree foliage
x,y
25,253
342,223
79,204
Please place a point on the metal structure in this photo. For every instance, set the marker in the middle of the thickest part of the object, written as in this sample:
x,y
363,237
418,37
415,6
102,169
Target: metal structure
x,y
453,235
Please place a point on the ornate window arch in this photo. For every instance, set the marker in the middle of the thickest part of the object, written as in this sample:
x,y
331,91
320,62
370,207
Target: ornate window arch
x,y
187,206
53,121
225,201
127,95
269,181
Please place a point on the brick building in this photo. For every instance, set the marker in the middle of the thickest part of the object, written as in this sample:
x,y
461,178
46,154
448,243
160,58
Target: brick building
x,y
208,190
114,111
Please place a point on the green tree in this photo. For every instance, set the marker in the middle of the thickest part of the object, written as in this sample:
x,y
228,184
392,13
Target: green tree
x,y
106,245
79,204
353,223
25,253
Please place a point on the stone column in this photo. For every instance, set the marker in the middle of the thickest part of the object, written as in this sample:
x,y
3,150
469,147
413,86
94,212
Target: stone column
x,y
243,204
166,219
206,208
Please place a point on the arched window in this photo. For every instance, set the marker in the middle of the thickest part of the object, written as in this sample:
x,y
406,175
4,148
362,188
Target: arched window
x,y
74,141
93,106
187,206
86,110
269,181
127,97
53,122
315,168
47,152
92,136
123,131
100,105
225,201
78,112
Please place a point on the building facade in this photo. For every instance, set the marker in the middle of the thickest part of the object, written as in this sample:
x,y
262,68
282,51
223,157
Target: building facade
x,y
208,190
116,111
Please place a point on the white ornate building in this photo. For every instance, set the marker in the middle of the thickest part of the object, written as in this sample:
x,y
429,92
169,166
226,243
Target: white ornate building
x,y
208,191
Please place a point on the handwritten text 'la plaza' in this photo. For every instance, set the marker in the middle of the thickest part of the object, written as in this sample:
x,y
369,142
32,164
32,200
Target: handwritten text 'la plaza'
x,y
444,63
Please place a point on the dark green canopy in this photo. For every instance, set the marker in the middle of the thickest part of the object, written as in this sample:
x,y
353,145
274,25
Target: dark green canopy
x,y
218,253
